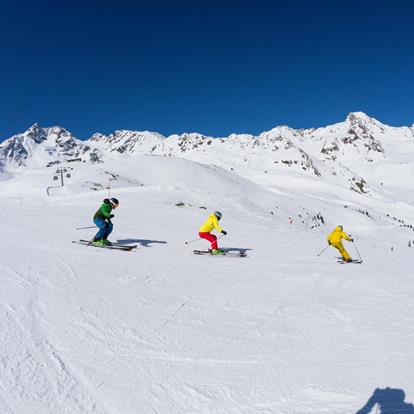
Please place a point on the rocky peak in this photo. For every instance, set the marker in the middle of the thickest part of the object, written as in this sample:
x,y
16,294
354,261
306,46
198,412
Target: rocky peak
x,y
36,133
49,144
128,141
357,117
363,132
19,147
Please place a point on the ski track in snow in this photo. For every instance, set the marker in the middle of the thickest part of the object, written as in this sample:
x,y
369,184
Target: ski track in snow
x,y
35,367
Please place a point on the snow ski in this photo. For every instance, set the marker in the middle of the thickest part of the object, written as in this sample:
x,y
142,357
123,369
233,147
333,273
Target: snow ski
x,y
352,261
113,246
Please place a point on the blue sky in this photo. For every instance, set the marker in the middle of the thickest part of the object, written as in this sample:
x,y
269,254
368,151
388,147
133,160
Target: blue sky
x,y
214,67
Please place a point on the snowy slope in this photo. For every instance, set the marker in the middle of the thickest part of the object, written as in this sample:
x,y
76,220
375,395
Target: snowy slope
x,y
160,330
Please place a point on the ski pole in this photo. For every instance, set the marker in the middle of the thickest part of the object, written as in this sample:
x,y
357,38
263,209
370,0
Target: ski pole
x,y
322,251
192,241
82,228
357,251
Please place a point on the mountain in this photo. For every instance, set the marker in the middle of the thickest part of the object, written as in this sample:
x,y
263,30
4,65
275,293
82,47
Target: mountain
x,y
360,154
39,147
127,142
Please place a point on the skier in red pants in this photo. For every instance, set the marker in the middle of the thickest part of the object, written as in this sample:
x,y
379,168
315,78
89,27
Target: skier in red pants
x,y
208,226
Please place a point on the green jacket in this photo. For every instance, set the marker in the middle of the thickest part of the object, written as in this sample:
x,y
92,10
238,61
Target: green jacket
x,y
104,211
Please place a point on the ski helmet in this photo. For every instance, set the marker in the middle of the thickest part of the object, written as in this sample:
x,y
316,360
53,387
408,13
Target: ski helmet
x,y
114,201
341,227
218,214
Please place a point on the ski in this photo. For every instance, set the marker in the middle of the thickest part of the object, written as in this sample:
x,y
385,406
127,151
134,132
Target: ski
x,y
112,246
131,246
124,248
352,261
228,254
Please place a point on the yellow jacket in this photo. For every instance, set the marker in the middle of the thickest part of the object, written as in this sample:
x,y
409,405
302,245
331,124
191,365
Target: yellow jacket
x,y
210,224
337,235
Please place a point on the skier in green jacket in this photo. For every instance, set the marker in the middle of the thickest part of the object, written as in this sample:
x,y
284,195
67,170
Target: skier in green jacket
x,y
102,219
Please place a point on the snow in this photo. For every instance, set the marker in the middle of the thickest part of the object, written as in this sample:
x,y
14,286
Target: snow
x,y
160,330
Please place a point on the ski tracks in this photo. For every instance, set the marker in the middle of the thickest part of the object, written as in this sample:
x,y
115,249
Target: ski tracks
x,y
173,315
35,373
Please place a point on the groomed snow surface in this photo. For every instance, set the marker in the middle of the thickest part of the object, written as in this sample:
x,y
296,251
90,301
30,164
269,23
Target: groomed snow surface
x,y
160,330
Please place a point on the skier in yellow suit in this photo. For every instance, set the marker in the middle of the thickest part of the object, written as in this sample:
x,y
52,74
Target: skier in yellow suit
x,y
335,240
207,227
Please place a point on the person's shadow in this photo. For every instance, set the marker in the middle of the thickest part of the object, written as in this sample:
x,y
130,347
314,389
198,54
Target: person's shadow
x,y
142,242
389,400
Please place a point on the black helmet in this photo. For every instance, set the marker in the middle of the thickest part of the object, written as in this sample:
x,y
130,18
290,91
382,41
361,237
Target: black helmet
x,y
114,201
218,214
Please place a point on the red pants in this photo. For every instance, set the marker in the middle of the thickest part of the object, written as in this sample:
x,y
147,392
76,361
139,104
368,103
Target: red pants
x,y
211,238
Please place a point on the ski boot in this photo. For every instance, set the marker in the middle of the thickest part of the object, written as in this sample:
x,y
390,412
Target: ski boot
x,y
217,252
98,243
107,242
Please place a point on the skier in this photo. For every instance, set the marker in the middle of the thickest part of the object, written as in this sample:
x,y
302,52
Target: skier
x,y
335,240
208,226
102,219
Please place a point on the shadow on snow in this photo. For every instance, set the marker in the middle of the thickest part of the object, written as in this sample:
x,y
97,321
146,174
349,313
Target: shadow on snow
x,y
389,400
142,242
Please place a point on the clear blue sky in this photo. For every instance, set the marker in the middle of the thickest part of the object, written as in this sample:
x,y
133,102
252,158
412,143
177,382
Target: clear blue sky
x,y
209,66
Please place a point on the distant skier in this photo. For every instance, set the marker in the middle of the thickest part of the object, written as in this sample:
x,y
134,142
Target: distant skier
x,y
102,219
335,240
208,226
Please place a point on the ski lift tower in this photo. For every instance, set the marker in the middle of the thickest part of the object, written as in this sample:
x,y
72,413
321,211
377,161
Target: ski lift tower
x,y
61,171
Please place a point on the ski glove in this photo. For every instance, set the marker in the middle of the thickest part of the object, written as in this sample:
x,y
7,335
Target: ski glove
x,y
224,232
111,216
329,242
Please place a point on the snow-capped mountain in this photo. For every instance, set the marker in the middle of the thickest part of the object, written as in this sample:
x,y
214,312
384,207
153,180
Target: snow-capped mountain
x,y
128,142
351,150
38,147
360,153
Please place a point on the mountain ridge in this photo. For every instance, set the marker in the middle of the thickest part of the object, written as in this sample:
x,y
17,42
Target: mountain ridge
x,y
359,153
